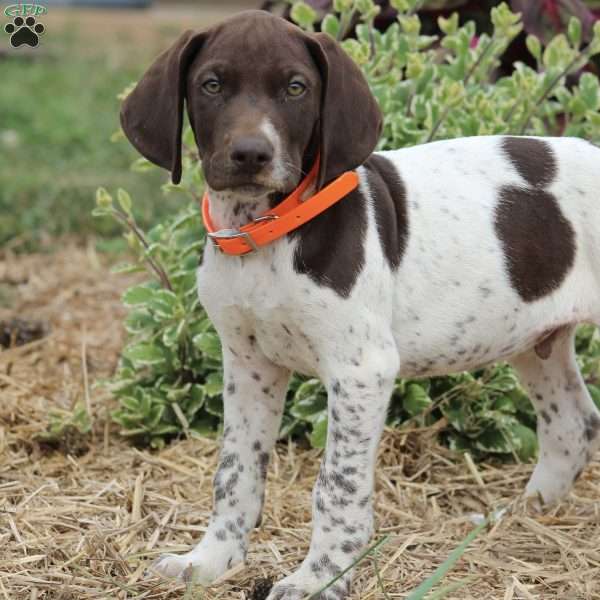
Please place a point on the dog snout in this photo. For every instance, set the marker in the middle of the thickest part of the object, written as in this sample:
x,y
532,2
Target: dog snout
x,y
251,154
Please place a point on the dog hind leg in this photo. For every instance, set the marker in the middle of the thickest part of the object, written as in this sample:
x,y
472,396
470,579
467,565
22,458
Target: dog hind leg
x,y
568,421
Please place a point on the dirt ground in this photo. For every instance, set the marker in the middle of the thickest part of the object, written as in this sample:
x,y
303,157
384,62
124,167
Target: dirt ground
x,y
85,520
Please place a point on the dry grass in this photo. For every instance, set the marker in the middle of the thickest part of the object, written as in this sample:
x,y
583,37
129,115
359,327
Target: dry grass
x,y
83,527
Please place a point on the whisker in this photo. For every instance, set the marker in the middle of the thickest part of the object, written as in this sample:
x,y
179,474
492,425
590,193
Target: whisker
x,y
294,167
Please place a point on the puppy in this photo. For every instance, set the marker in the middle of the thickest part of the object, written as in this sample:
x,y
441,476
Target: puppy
x,y
442,258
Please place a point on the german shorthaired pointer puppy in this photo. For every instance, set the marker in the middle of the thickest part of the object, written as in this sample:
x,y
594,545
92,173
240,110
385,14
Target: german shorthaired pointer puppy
x,y
445,257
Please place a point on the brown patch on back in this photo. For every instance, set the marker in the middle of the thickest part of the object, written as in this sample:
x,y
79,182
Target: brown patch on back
x,y
533,159
538,241
331,246
389,202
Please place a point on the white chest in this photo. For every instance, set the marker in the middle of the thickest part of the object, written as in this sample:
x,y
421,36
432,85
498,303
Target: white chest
x,y
261,295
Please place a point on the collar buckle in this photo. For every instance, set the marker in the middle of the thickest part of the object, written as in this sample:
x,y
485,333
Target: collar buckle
x,y
228,234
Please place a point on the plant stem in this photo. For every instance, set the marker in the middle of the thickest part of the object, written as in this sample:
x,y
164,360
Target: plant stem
x,y
548,90
451,587
479,60
466,78
437,124
419,592
361,557
371,41
345,24
156,267
378,575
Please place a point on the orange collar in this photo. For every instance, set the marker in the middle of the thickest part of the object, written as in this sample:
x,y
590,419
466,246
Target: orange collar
x,y
285,217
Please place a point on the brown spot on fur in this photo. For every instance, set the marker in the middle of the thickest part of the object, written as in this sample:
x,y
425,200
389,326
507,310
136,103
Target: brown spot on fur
x,y
389,202
538,241
544,347
592,427
331,246
533,159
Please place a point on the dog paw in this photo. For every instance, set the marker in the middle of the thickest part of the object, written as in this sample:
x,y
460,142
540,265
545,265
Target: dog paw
x,y
197,567
24,32
550,482
297,588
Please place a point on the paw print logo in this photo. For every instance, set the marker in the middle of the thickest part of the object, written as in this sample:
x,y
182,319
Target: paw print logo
x,y
24,32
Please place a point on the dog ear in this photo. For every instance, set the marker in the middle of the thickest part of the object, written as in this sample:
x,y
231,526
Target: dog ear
x,y
152,114
350,121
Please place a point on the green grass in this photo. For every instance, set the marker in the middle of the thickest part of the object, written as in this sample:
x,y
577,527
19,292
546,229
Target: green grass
x,y
58,110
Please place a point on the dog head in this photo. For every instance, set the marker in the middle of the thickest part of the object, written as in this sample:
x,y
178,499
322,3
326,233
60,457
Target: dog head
x,y
263,99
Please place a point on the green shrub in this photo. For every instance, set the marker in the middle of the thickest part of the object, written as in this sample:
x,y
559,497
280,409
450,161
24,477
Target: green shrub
x,y
169,380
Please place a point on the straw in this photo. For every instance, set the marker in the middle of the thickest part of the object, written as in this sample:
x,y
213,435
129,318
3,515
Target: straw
x,y
84,521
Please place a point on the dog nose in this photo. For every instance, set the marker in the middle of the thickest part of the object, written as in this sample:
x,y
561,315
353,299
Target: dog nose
x,y
251,153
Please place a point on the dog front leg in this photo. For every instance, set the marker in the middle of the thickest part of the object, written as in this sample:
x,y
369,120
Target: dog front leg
x,y
253,399
342,497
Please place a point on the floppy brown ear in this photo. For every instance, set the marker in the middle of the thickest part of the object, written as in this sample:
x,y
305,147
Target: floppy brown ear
x,y
152,114
351,121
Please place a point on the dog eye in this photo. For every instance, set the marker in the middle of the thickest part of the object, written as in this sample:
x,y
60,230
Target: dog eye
x,y
212,86
296,88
